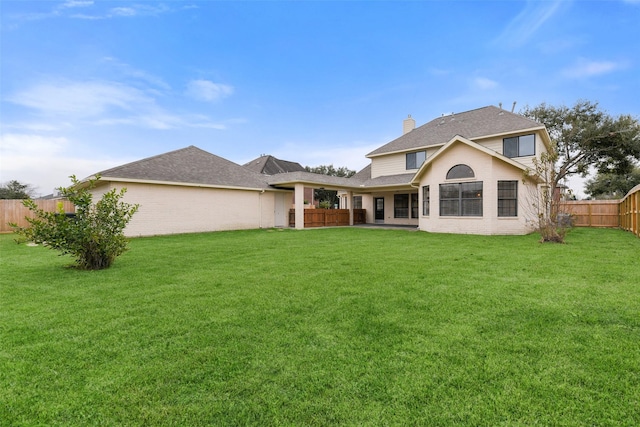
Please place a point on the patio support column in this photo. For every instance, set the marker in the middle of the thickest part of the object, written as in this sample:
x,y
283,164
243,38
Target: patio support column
x,y
299,206
350,206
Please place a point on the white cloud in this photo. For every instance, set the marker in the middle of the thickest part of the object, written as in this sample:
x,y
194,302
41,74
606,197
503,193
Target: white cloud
x,y
81,99
77,3
585,68
205,90
484,83
46,162
134,73
123,11
105,103
525,25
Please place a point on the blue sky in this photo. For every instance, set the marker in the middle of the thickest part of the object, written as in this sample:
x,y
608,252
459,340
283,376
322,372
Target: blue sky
x,y
88,85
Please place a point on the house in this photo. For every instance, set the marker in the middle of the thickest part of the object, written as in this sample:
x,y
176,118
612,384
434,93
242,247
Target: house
x,y
191,190
459,173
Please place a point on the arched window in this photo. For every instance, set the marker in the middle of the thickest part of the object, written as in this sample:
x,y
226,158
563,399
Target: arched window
x,y
460,171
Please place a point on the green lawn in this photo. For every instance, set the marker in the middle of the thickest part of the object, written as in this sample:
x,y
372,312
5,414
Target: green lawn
x,y
343,326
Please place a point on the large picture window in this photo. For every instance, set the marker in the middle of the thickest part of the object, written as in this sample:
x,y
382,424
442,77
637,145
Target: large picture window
x,y
415,160
519,146
507,198
401,206
425,200
461,199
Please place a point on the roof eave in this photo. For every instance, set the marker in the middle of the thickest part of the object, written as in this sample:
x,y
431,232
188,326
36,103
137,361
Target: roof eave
x,y
182,184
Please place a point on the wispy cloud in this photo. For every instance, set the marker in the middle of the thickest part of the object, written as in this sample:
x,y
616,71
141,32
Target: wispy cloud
x,y
205,90
81,99
527,23
130,72
584,68
76,3
91,10
483,83
105,103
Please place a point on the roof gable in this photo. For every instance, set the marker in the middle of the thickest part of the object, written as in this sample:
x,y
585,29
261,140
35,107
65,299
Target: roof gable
x,y
474,124
190,165
461,140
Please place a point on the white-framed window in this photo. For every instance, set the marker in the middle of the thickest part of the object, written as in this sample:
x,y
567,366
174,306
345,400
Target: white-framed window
x,y
460,171
414,205
401,206
519,146
416,159
461,199
507,198
425,200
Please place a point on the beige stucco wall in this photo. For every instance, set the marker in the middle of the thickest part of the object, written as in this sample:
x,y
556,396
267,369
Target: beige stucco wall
x,y
171,209
487,169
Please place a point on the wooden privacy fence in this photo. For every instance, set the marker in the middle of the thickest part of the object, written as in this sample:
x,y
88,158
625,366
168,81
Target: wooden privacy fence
x,y
593,213
327,217
14,211
630,211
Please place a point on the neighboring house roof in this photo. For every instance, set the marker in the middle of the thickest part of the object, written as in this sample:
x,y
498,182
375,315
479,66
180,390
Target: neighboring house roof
x,y
269,165
474,124
189,165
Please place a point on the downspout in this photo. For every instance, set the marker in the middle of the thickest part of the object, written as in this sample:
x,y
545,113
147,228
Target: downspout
x,y
260,208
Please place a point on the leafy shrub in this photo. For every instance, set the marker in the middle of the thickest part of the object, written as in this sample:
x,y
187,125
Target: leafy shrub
x,y
94,235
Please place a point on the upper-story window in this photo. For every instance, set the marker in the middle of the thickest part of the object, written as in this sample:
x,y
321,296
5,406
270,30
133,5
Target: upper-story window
x,y
519,146
416,159
460,171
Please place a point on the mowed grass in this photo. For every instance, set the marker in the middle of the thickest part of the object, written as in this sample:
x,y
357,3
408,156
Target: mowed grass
x,y
343,326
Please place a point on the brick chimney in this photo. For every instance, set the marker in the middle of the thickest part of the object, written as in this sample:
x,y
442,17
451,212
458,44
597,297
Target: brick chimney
x,y
408,125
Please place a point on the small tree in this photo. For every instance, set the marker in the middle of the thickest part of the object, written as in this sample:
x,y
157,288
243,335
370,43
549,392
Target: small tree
x,y
545,198
94,235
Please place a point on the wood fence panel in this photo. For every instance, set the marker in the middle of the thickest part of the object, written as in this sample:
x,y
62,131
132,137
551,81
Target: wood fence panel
x,y
630,211
13,211
593,213
328,217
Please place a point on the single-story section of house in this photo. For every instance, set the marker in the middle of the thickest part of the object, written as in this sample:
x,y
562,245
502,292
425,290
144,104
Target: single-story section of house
x,y
460,173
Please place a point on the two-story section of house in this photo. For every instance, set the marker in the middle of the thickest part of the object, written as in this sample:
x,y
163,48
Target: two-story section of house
x,y
459,173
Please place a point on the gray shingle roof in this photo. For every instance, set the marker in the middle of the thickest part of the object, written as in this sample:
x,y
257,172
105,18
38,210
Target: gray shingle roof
x,y
472,125
289,178
269,165
190,165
